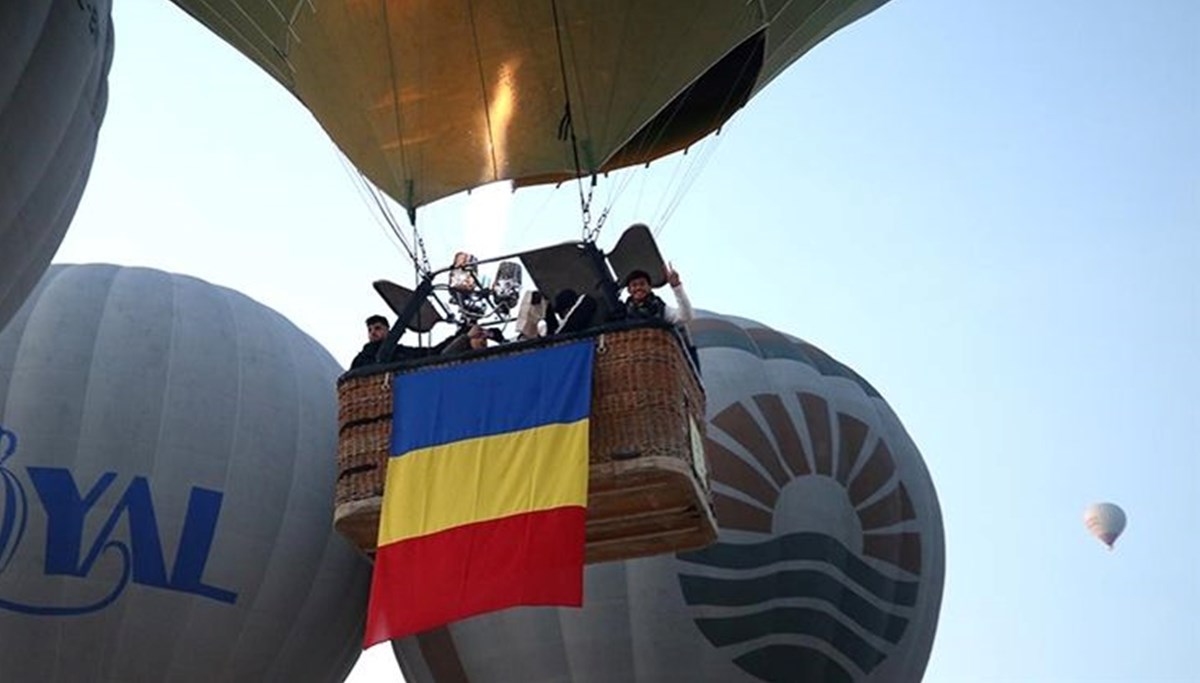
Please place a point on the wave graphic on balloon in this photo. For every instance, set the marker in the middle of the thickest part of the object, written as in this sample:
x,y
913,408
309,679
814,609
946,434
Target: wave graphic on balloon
x,y
829,602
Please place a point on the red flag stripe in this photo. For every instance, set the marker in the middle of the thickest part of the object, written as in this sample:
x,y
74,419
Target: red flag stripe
x,y
428,581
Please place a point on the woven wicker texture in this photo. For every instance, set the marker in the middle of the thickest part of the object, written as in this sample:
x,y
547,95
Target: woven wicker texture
x,y
643,392
646,496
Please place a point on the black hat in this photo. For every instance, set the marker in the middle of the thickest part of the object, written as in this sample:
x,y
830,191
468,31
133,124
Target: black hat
x,y
635,274
564,300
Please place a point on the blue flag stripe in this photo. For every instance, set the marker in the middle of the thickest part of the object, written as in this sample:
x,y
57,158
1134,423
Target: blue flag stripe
x,y
494,396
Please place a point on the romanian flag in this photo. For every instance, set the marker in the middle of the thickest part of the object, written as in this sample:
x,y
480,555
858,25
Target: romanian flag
x,y
486,495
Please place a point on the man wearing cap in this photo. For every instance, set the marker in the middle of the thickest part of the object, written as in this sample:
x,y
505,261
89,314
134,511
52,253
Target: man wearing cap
x,y
644,304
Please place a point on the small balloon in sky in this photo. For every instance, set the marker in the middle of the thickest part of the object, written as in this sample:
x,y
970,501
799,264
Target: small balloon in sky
x,y
1105,521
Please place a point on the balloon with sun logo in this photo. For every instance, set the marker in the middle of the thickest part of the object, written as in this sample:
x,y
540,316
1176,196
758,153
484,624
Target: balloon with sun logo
x,y
828,567
830,561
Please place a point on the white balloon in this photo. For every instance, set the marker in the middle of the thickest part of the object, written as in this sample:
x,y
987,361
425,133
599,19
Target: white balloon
x,y
1105,521
829,565
54,62
166,488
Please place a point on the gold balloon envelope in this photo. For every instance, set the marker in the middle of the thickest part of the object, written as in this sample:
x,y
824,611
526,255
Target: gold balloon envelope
x,y
428,98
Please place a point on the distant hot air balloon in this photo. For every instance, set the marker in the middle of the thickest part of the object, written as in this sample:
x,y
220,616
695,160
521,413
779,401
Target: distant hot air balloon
x,y
1105,521
54,60
430,98
829,566
167,450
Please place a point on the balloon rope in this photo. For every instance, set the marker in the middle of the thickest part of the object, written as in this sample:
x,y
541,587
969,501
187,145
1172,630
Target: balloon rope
x,y
420,261
378,207
693,172
408,172
686,170
690,172
568,123
483,92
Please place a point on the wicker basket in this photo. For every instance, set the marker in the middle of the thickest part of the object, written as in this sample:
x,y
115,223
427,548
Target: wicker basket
x,y
648,490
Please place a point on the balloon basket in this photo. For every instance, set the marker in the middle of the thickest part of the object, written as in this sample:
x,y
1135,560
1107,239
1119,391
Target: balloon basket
x,y
648,487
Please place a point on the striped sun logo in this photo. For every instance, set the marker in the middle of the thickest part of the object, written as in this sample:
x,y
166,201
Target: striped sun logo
x,y
816,572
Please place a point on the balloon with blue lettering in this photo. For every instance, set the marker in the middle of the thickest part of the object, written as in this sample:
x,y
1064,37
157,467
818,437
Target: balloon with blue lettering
x,y
166,472
828,566
13,506
54,61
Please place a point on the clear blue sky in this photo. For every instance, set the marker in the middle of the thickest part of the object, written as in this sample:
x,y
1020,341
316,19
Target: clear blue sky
x,y
989,210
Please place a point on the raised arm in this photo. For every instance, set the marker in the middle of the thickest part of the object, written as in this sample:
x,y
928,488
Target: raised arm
x,y
684,312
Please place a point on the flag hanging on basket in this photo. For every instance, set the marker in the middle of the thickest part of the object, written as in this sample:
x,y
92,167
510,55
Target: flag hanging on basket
x,y
485,500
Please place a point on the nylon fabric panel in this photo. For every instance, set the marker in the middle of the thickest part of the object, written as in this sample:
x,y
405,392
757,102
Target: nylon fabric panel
x,y
23,24
54,61
797,27
434,489
264,33
259,30
429,98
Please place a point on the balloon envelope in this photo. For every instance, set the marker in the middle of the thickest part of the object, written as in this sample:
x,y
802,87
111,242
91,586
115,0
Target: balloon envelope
x,y
428,98
167,481
1105,521
829,565
54,61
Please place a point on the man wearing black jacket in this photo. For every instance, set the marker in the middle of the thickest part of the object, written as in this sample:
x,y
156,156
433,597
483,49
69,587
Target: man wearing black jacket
x,y
644,304
377,331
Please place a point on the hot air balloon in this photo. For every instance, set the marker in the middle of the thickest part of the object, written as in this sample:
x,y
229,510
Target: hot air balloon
x,y
647,488
54,60
167,480
829,565
431,98
1105,521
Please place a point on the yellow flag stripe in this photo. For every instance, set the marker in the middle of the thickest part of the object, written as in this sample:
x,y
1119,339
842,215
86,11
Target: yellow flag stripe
x,y
476,480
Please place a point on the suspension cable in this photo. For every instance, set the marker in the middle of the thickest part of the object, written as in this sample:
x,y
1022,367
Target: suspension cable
x,y
422,267
566,128
394,225
366,195
381,210
685,173
708,147
408,172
